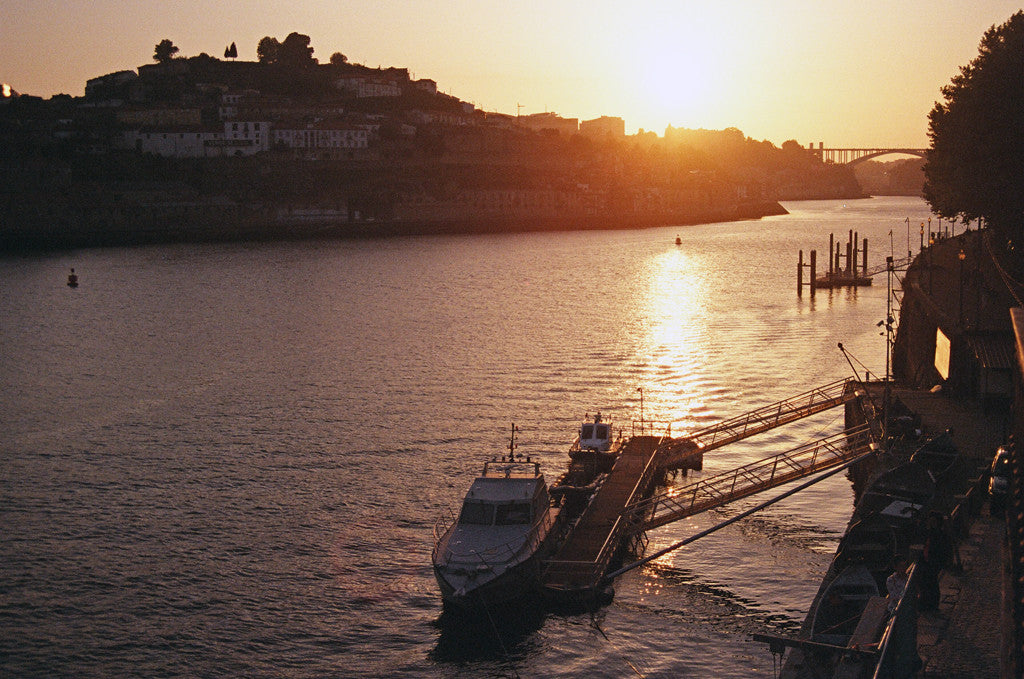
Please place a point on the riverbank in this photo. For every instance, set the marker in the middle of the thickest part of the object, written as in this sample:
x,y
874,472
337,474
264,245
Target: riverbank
x,y
232,223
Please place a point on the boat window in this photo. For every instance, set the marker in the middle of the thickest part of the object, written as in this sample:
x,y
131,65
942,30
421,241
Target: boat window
x,y
477,513
602,431
587,431
514,514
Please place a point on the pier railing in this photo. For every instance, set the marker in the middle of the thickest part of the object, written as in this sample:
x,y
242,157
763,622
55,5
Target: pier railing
x,y
768,417
584,575
749,479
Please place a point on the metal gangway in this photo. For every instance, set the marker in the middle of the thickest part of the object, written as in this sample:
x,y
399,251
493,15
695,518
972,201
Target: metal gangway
x,y
768,417
770,472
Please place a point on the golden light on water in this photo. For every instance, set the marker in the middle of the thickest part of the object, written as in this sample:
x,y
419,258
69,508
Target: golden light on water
x,y
673,349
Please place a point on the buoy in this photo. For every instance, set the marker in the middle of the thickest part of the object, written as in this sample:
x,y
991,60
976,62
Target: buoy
x,y
679,241
72,279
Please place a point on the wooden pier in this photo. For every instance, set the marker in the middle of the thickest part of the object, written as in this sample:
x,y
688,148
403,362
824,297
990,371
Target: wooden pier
x,y
581,562
622,508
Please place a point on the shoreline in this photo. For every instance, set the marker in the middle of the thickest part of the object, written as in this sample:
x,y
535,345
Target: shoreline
x,y
235,227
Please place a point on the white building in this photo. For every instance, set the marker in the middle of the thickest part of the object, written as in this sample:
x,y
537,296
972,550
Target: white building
x,y
236,139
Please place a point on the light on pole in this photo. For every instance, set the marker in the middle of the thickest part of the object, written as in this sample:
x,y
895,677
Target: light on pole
x,y
961,257
641,390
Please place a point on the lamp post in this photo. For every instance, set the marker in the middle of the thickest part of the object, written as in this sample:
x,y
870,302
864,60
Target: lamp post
x,y
961,257
641,390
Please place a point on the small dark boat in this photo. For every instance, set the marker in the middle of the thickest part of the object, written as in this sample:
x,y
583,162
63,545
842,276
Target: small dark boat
x,y
841,605
870,542
72,279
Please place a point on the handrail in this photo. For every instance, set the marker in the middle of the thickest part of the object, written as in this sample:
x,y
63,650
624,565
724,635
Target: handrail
x,y
592,570
748,479
773,415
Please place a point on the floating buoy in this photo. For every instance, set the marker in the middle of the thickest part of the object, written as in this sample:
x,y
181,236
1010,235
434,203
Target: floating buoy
x,y
679,241
72,279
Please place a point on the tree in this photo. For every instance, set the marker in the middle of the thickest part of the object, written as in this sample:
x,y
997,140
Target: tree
x,y
337,59
975,166
164,51
231,52
296,52
267,50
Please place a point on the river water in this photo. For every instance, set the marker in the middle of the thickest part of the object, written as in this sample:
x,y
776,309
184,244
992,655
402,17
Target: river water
x,y
226,460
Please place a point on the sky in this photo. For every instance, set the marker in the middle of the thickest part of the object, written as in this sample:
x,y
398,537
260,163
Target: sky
x,y
849,74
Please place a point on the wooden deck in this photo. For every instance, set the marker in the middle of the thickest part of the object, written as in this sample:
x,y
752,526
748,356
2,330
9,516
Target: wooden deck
x,y
584,557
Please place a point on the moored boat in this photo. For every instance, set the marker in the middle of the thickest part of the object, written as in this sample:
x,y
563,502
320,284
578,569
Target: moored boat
x,y
491,552
596,442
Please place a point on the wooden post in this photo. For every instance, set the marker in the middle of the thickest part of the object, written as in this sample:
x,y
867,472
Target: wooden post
x,y
814,261
800,274
851,268
831,249
864,267
839,247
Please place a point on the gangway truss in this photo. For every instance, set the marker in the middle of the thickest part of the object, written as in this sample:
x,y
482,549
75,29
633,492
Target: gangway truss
x,y
770,472
768,417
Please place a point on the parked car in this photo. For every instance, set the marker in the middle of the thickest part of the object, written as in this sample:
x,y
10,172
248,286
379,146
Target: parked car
x,y
999,480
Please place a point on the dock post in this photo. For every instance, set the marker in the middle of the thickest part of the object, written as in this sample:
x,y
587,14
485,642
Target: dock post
x,y
800,274
837,256
831,249
850,267
864,266
814,261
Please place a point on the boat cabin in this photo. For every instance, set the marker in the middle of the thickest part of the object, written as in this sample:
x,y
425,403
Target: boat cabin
x,y
596,435
507,494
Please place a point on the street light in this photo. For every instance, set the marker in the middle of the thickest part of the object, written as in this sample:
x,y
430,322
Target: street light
x,y
641,390
961,257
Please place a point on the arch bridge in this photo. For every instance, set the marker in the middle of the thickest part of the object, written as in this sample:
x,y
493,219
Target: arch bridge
x,y
854,156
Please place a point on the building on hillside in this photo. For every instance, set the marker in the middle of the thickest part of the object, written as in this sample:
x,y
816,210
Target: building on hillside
x,y
603,128
549,121
321,140
160,117
96,86
425,85
369,86
236,138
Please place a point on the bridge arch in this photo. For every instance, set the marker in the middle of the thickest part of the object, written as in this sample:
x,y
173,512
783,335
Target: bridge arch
x,y
920,153
850,156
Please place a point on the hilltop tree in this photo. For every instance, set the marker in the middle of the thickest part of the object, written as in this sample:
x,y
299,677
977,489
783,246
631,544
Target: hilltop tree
x,y
164,51
337,59
267,50
975,166
231,52
296,52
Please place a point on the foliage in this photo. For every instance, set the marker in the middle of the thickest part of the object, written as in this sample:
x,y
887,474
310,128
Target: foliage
x,y
337,59
164,51
294,52
267,50
231,52
975,166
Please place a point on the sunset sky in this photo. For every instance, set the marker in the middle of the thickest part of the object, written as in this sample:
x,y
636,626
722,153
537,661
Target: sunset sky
x,y
845,73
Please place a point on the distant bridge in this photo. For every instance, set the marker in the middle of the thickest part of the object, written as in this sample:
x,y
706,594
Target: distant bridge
x,y
854,156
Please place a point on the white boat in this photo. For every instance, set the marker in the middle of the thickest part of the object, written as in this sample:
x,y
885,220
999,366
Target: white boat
x,y
596,441
491,552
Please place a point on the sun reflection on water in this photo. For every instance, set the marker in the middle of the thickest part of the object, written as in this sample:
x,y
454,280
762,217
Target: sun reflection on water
x,y
674,345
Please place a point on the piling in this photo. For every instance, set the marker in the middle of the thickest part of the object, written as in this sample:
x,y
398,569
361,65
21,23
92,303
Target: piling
x,y
800,274
814,261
